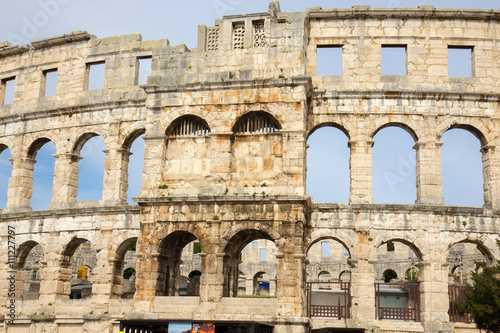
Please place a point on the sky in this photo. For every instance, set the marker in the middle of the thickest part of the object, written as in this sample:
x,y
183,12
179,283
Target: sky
x,y
328,170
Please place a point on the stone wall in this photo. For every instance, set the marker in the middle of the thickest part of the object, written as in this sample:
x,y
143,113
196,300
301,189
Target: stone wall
x,y
225,128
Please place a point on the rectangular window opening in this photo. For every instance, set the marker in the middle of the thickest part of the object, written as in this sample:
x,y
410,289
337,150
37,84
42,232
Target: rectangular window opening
x,y
95,73
393,60
460,61
238,35
328,60
255,245
7,90
50,76
144,71
263,254
325,249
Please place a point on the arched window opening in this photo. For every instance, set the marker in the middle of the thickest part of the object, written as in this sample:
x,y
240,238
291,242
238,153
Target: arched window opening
x,y
81,257
463,258
250,251
462,173
135,166
328,174
327,258
389,275
327,287
397,293
187,126
398,257
124,271
179,257
91,169
345,276
29,270
190,270
394,161
256,121
43,174
5,173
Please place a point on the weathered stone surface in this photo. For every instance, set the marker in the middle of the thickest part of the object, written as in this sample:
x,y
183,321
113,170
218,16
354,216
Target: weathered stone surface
x,y
225,129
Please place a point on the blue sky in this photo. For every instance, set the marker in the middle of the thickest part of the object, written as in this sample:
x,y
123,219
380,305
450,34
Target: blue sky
x,y
328,172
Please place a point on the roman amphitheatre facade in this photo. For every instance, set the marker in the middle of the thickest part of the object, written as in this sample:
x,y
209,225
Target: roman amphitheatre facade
x,y
225,127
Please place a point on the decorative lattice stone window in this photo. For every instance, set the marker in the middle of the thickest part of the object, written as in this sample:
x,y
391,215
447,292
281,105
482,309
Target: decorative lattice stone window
x,y
213,39
238,35
257,121
259,36
188,126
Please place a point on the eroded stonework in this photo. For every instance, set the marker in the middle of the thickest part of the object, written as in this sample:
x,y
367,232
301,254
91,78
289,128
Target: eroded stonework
x,y
225,128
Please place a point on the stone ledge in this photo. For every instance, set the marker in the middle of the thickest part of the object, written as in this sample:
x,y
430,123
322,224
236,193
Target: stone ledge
x,y
103,210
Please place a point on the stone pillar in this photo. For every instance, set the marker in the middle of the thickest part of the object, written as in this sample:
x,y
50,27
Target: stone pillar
x,y
249,286
291,291
154,157
363,290
360,164
434,299
115,182
272,287
428,172
65,185
20,185
147,270
212,283
491,176
55,280
102,275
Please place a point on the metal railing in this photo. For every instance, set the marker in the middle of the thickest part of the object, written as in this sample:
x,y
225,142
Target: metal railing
x,y
457,294
328,299
407,294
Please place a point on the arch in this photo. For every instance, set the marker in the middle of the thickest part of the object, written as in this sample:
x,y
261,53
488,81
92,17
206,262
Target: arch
x,y
408,243
403,126
239,240
394,164
82,140
129,140
71,247
124,246
345,276
128,272
485,251
36,145
328,164
23,251
329,124
468,127
389,275
256,121
169,264
193,274
463,170
188,125
315,241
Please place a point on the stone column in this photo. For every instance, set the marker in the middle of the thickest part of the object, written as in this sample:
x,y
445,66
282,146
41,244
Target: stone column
x,y
20,185
212,282
428,173
154,157
249,286
360,163
102,275
434,299
363,290
491,176
65,185
55,280
147,269
115,182
291,291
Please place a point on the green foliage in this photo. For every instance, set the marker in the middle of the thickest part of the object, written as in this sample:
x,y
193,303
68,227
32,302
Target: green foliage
x,y
482,300
132,247
163,187
196,248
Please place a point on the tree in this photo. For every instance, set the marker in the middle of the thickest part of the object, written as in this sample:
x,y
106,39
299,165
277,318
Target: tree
x,y
482,299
